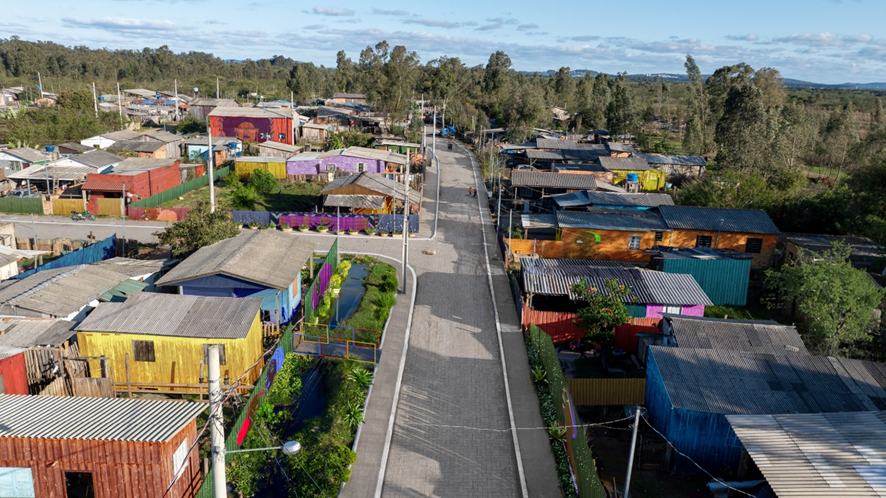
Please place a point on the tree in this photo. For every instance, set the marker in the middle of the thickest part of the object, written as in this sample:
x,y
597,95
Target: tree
x,y
345,74
605,310
191,125
741,129
620,113
304,81
771,84
564,88
835,300
199,228
263,182
77,100
697,137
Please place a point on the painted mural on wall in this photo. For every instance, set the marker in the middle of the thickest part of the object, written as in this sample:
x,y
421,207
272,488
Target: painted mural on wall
x,y
252,129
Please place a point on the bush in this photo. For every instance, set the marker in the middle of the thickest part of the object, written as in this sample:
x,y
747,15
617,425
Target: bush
x,y
244,197
263,182
383,304
232,180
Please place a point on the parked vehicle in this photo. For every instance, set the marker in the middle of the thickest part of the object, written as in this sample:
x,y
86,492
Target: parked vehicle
x,y
21,193
84,215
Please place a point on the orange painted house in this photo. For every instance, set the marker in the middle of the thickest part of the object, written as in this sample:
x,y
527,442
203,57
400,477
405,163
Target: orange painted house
x,y
624,234
251,124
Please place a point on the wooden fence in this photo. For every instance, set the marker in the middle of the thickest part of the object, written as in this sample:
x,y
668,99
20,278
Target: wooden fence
x,y
540,248
597,392
109,207
63,207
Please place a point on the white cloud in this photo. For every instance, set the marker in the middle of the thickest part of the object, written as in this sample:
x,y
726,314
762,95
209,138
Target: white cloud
x,y
122,24
748,37
395,13
333,11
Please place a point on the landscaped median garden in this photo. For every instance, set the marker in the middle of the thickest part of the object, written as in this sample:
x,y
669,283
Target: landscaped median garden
x,y
318,402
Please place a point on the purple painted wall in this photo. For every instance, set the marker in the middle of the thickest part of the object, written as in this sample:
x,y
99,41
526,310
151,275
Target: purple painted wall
x,y
654,310
341,163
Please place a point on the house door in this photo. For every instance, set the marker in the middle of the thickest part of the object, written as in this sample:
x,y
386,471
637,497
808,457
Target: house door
x,y
79,485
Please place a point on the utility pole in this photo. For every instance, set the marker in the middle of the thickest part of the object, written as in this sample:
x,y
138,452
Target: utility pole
x,y
405,225
434,134
510,223
631,458
337,235
216,427
120,105
34,229
216,87
210,153
124,219
443,125
498,211
175,91
94,99
295,122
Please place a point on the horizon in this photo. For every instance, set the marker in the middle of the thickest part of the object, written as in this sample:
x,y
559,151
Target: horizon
x,y
824,41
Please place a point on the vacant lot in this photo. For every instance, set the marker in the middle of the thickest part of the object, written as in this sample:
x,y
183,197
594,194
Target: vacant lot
x,y
299,196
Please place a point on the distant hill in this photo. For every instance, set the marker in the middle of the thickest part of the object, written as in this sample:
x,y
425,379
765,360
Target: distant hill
x,y
681,78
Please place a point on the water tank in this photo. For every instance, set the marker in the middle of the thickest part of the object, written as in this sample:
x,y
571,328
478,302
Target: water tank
x,y
633,177
50,148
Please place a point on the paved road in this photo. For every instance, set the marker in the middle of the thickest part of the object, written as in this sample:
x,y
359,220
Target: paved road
x,y
50,227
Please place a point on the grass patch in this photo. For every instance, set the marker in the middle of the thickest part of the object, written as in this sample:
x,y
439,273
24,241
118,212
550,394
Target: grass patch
x,y
291,196
750,312
380,297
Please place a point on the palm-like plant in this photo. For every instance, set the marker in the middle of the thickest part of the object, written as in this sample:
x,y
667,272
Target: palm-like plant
x,y
539,376
353,415
360,376
557,433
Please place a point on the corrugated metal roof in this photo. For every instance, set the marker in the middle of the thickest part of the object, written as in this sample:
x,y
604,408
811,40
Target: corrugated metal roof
x,y
376,154
26,154
115,419
30,332
281,146
123,291
583,154
555,277
135,267
247,112
348,96
164,136
545,155
597,198
260,159
64,173
741,382
216,141
619,147
538,220
673,159
136,165
718,219
138,145
75,146
97,158
121,135
828,455
175,315
58,292
589,167
715,333
106,185
375,183
612,219
7,351
709,253
537,179
547,143
206,101
266,257
376,202
624,163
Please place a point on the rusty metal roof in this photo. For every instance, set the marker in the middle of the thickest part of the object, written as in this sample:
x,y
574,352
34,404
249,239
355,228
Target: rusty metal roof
x,y
114,419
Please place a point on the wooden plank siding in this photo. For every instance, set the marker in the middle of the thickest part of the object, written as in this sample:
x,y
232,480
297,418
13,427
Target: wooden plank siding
x,y
598,392
177,360
120,469
541,248
63,207
245,168
109,207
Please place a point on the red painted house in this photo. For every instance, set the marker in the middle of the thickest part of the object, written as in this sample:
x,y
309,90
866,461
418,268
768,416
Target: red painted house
x,y
142,177
13,373
251,124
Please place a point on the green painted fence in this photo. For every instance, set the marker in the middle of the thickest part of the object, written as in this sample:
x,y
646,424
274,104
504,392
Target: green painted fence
x,y
256,398
179,190
21,205
585,472
322,273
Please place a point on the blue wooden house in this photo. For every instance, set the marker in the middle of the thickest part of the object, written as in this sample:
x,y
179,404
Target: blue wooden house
x,y
689,393
261,263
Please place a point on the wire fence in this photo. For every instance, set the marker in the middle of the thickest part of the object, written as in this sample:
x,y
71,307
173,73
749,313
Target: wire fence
x,y
584,471
318,287
263,385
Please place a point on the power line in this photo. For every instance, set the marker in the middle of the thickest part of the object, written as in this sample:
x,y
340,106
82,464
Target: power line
x,y
716,479
487,429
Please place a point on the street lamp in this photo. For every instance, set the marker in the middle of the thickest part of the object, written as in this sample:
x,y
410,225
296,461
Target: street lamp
x,y
289,448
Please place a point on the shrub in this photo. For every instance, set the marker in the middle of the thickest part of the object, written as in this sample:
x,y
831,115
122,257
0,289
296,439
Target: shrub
x,y
244,197
232,180
263,182
389,283
383,304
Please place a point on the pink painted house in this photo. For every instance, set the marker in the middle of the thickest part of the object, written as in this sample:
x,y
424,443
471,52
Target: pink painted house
x,y
351,159
547,285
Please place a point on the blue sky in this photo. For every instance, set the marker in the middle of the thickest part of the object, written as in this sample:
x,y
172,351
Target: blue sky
x,y
825,41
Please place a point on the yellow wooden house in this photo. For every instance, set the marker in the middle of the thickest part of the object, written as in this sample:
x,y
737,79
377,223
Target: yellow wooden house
x,y
244,166
164,338
650,179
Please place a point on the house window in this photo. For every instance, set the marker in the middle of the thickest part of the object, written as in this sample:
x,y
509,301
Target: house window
x,y
180,459
360,168
79,485
16,482
634,243
672,310
754,246
221,354
703,241
143,350
659,236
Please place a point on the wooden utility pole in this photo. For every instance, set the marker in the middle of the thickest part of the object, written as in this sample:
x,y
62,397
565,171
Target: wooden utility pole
x,y
216,424
94,100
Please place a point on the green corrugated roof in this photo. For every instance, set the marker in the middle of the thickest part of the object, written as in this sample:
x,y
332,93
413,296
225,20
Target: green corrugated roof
x,y
126,288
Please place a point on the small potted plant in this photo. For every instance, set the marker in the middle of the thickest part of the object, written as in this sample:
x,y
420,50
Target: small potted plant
x,y
303,228
370,231
383,234
335,283
353,231
285,228
322,228
398,233
253,225
411,234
